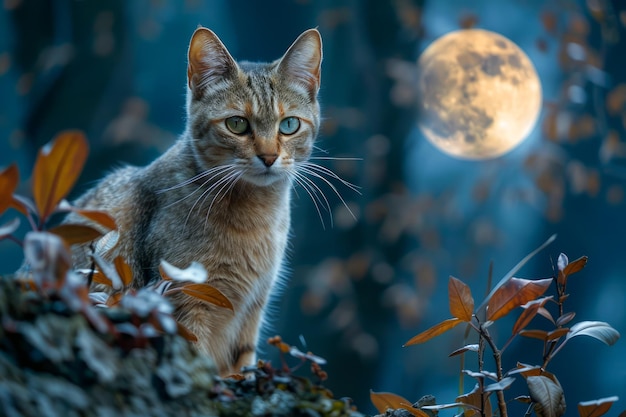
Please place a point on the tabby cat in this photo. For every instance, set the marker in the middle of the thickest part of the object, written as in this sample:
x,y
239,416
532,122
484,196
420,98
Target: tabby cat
x,y
221,194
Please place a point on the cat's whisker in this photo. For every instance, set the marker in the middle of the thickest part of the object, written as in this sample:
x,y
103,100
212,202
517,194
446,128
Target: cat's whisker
x,y
306,168
314,192
215,171
326,171
227,184
322,150
206,192
192,179
335,158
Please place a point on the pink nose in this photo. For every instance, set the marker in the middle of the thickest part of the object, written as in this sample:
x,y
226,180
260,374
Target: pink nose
x,y
268,160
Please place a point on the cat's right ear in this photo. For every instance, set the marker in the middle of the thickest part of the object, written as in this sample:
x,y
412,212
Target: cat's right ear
x,y
209,61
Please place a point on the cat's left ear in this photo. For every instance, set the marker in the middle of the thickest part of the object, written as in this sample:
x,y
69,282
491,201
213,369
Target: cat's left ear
x,y
303,60
209,60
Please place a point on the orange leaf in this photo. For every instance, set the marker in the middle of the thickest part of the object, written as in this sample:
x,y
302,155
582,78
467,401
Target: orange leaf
x,y
596,408
100,217
186,333
123,270
460,299
208,293
114,299
515,293
436,330
535,334
9,178
23,205
477,399
74,234
530,311
557,333
58,166
575,266
99,278
385,400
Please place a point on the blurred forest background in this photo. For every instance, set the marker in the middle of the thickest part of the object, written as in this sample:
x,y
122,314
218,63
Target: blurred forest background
x,y
361,288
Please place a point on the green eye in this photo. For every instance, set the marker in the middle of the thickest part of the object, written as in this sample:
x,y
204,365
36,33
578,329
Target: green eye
x,y
237,125
289,125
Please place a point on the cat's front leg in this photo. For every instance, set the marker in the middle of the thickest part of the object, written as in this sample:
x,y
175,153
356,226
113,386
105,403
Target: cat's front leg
x,y
243,352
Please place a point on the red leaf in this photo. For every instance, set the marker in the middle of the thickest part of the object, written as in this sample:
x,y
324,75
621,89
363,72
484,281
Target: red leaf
x,y
460,299
74,234
9,178
58,166
385,400
436,330
515,293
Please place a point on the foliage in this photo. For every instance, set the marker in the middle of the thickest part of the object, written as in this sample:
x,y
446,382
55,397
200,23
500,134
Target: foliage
x,y
72,341
48,259
546,397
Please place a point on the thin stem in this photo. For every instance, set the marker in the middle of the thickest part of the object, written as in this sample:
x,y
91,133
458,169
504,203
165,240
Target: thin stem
x,y
14,239
484,333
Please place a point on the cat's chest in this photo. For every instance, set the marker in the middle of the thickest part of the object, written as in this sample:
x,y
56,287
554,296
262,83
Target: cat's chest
x,y
229,240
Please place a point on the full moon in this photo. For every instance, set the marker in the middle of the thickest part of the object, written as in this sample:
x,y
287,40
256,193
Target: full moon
x,y
479,94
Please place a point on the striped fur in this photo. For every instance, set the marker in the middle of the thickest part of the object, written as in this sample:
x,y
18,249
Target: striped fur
x,y
212,198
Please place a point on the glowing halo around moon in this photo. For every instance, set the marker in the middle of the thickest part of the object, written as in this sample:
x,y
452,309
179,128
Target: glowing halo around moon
x,y
479,94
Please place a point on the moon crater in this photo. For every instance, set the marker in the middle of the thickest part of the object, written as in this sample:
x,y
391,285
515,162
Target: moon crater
x,y
479,94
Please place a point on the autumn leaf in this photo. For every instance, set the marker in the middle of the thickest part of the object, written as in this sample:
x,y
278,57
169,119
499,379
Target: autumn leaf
x,y
460,299
123,270
515,293
596,408
530,311
100,217
109,271
207,293
186,333
479,401
57,168
575,266
9,178
74,234
99,278
436,330
535,334
385,400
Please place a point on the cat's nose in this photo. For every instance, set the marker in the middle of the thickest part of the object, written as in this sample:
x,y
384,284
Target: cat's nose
x,y
268,160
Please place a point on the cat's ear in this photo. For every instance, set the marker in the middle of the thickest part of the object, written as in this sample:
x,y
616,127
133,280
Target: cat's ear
x,y
209,60
303,60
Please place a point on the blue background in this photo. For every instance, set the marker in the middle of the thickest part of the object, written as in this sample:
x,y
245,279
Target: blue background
x,y
360,289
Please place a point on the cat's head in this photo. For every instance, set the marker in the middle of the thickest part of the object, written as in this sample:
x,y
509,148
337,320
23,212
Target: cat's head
x,y
259,119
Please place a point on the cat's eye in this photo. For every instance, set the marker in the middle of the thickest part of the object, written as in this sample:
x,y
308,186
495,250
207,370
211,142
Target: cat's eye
x,y
289,125
238,125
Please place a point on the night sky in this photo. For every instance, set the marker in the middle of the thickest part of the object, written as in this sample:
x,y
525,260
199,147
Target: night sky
x,y
359,289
